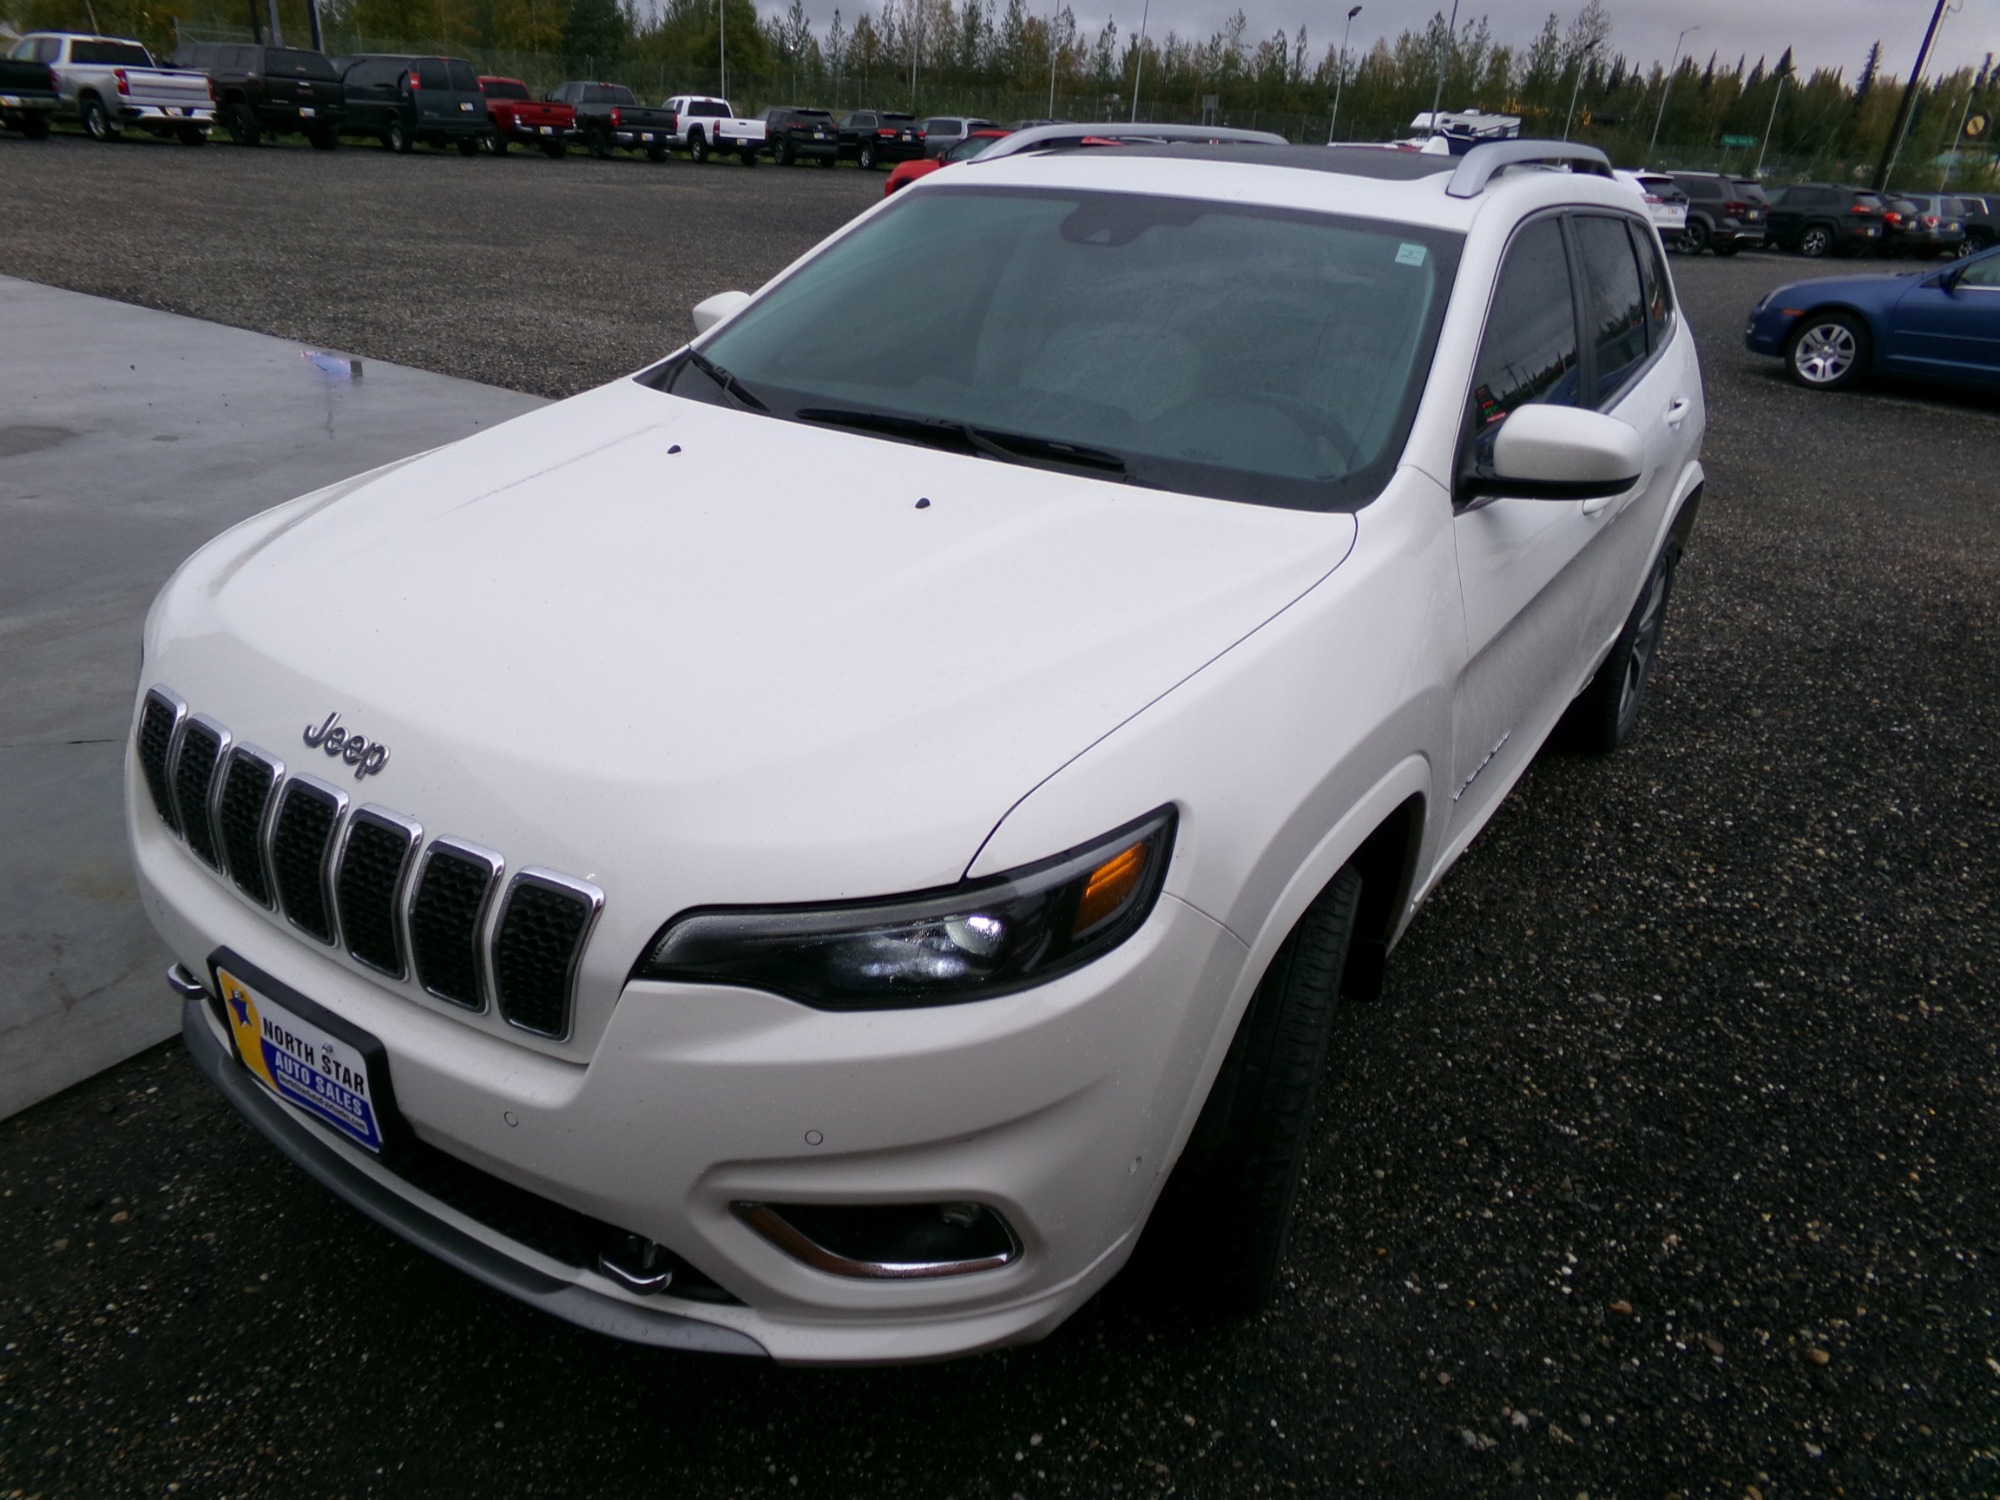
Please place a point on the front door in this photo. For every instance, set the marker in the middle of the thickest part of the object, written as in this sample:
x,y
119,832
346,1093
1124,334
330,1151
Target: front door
x,y
1954,329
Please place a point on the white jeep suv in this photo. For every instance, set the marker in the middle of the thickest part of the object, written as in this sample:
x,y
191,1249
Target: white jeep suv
x,y
810,849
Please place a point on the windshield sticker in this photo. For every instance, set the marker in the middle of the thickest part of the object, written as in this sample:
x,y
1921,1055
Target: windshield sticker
x,y
1408,254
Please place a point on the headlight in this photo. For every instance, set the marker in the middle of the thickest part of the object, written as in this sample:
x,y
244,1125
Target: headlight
x,y
968,942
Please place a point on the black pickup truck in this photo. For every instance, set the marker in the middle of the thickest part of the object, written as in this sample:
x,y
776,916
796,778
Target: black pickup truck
x,y
27,97
264,91
609,118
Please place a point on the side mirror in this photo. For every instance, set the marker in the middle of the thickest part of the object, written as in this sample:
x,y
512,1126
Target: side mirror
x,y
717,308
1559,453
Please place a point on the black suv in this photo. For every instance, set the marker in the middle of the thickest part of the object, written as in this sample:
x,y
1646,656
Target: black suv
x,y
793,134
403,100
1823,218
870,137
1724,215
262,91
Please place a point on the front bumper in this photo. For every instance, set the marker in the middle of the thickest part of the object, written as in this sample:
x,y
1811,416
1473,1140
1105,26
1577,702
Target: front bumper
x,y
1057,1108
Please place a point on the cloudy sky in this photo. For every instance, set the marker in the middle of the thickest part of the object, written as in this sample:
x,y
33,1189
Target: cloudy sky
x,y
1822,33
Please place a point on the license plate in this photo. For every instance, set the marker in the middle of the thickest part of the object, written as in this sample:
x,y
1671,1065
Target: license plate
x,y
647,136
300,1060
548,130
465,105
305,111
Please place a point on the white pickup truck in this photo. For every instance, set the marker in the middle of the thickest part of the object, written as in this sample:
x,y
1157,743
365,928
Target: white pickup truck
x,y
109,84
705,124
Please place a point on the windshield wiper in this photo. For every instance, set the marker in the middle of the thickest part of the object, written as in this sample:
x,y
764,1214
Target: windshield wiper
x,y
942,432
726,380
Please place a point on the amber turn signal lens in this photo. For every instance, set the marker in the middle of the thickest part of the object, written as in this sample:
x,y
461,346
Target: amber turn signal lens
x,y
1110,886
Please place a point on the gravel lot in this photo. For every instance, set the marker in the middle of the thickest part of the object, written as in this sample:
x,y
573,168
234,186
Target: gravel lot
x,y
1666,1166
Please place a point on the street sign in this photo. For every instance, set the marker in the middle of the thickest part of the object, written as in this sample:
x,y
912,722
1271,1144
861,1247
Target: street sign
x,y
1739,140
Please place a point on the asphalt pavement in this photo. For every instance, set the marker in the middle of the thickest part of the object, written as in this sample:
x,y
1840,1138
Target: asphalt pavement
x,y
1665,1166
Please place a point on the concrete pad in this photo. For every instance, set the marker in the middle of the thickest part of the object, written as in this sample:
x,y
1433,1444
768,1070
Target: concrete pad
x,y
128,438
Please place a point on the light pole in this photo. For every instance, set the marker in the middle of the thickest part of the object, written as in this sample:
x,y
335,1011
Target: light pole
x,y
1770,124
1667,91
722,45
1055,18
1576,88
1340,77
1139,63
1444,59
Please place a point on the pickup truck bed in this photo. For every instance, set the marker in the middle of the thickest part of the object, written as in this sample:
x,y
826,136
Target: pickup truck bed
x,y
609,117
27,97
519,119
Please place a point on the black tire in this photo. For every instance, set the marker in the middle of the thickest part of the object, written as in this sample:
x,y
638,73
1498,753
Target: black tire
x,y
36,127
864,156
782,153
1694,238
1725,251
324,138
496,143
555,150
1605,714
1966,246
599,143
191,135
1828,351
656,153
697,147
97,120
469,146
242,126
1815,241
397,138
1218,1233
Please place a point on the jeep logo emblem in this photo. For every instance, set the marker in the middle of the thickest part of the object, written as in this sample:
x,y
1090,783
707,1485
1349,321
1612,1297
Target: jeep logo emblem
x,y
345,744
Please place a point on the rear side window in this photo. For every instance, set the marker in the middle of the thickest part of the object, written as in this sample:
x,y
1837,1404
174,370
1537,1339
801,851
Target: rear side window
x,y
110,54
502,89
1529,353
1700,187
706,109
1614,306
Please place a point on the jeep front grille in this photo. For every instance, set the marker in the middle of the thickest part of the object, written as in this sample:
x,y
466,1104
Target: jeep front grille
x,y
433,913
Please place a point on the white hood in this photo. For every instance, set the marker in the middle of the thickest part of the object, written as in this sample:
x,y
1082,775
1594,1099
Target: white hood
x,y
699,655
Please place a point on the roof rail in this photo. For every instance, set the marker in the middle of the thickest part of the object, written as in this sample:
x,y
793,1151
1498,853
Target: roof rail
x,y
1484,162
1046,137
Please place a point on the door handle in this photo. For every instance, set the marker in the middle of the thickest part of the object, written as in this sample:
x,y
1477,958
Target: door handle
x,y
1677,413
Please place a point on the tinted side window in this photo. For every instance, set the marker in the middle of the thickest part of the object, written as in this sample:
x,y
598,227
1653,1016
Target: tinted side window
x,y
1614,307
1529,352
464,80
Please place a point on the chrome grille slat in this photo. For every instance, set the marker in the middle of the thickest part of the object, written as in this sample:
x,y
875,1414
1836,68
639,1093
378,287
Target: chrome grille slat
x,y
453,894
242,815
160,718
374,856
203,745
301,846
545,920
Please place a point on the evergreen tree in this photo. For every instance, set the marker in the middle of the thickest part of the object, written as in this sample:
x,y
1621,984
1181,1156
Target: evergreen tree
x,y
1868,70
595,33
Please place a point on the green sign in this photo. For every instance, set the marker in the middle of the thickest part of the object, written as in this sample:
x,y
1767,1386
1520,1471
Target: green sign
x,y
1739,140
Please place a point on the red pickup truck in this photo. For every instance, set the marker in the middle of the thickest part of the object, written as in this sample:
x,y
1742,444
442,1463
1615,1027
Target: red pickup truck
x,y
521,119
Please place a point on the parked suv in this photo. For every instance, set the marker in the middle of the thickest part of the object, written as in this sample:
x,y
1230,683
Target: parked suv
x,y
858,872
1723,215
942,132
262,91
405,101
872,137
793,134
1823,218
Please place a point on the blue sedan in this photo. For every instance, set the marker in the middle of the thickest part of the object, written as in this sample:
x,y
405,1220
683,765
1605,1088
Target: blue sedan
x,y
1935,325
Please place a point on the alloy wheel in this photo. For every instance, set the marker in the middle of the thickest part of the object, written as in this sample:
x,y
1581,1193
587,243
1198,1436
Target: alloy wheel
x,y
1825,352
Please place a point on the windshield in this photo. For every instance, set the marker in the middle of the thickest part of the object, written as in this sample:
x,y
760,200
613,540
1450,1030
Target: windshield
x,y
1245,353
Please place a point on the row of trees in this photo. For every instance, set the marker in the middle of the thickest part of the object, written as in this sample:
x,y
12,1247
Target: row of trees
x,y
999,58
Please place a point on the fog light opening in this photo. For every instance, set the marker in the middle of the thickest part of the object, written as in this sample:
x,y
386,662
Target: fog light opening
x,y
887,1241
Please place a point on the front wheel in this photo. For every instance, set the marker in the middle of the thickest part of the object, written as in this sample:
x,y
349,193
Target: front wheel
x,y
97,120
1604,715
1827,351
1222,1221
1816,241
